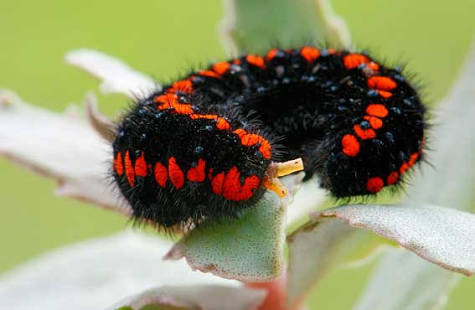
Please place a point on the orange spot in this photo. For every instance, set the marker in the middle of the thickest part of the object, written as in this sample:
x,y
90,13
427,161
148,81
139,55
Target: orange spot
x,y
271,54
240,132
352,61
309,53
250,139
376,109
364,133
221,123
237,61
413,158
161,174
381,83
217,183
170,101
165,101
197,174
351,146
221,67
203,116
373,66
392,178
232,188
375,122
256,60
265,149
404,167
184,86
141,166
118,165
129,169
385,94
208,73
374,184
174,172
331,51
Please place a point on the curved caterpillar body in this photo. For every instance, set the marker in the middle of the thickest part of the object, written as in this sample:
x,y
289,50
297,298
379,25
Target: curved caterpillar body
x,y
357,124
176,163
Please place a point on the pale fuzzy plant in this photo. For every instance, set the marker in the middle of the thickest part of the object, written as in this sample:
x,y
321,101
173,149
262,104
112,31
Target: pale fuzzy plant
x,y
243,260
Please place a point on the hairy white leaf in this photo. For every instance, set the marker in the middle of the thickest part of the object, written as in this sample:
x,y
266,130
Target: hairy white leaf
x,y
203,297
440,235
306,197
103,126
116,76
95,274
404,281
313,250
62,146
449,183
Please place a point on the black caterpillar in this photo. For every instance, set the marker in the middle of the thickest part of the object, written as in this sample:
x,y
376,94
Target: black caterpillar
x,y
201,147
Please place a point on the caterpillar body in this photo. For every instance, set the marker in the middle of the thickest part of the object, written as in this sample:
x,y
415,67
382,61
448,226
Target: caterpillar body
x,y
200,148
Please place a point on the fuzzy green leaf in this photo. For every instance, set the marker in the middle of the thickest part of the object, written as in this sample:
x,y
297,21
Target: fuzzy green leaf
x,y
249,248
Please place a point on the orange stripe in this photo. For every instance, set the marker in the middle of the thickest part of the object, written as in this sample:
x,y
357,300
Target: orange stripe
x,y
378,110
170,101
374,184
250,139
240,132
403,168
385,94
232,188
381,83
392,178
265,148
413,158
375,122
217,183
364,134
161,174
208,73
271,54
118,165
221,123
175,173
129,169
184,86
350,145
256,60
352,61
309,53
141,166
197,174
373,66
221,67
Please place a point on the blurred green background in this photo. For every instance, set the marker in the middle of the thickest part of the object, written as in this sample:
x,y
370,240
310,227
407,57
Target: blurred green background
x,y
163,38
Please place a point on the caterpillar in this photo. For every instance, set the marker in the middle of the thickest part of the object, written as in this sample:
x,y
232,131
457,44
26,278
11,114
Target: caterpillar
x,y
201,147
